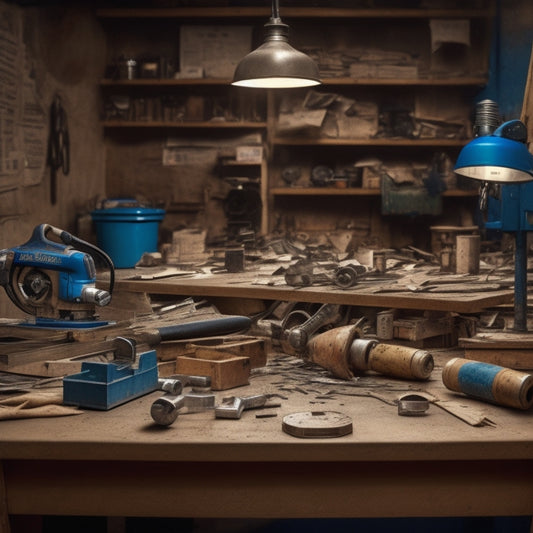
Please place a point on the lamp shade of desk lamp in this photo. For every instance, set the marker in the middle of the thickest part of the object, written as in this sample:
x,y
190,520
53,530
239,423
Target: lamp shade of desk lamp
x,y
501,157
276,64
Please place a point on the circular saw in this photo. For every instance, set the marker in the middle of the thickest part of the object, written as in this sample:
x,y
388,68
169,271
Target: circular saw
x,y
55,280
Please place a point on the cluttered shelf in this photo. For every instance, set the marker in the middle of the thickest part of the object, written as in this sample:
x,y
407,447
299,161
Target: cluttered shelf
x,y
377,142
327,11
352,191
436,81
214,124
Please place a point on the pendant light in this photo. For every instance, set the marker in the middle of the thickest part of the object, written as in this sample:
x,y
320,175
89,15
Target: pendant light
x,y
276,64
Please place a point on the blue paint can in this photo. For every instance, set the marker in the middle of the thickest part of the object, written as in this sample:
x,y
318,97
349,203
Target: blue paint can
x,y
126,231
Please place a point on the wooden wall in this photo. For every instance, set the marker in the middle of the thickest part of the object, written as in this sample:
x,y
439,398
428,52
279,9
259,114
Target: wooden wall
x,y
62,51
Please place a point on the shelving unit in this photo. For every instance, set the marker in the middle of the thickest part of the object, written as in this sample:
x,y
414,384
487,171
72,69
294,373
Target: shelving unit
x,y
279,200
182,125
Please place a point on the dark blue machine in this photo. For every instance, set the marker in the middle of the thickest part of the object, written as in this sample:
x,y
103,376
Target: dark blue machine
x,y
503,158
55,281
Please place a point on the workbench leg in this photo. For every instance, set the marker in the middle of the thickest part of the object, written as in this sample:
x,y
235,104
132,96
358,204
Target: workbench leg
x,y
4,517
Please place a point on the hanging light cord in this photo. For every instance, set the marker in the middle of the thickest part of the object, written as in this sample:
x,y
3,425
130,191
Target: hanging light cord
x,y
275,9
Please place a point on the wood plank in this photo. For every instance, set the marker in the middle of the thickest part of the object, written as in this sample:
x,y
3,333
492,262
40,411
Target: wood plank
x,y
227,285
519,359
508,349
500,340
11,360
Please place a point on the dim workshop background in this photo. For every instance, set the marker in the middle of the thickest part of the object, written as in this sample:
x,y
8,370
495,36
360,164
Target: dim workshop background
x,y
264,266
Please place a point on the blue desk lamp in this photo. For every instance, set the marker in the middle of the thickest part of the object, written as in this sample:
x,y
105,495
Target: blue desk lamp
x,y
503,157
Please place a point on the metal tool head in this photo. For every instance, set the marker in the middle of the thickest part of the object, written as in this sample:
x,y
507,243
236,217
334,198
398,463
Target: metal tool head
x,y
239,404
165,410
172,386
232,410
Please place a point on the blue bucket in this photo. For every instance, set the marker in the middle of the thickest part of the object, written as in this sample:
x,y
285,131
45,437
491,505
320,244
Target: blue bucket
x,y
126,233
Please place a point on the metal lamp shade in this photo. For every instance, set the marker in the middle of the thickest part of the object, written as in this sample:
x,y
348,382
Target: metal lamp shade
x,y
276,64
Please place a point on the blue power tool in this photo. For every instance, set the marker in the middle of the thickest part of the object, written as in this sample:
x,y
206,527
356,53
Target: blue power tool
x,y
55,280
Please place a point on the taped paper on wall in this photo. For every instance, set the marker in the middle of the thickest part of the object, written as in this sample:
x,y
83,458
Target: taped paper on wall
x,y
217,49
23,121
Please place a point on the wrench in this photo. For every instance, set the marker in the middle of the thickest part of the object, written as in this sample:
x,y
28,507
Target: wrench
x,y
234,410
299,336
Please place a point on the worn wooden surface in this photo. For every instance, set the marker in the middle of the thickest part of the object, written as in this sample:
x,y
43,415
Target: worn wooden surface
x,y
432,465
509,349
411,291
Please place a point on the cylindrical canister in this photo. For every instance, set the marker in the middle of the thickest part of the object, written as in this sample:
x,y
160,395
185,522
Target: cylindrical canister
x,y
493,383
400,361
467,254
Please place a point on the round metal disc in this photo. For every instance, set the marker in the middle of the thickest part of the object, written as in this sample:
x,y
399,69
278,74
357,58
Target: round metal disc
x,y
317,424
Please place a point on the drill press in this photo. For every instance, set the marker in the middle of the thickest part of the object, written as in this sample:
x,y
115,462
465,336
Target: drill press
x,y
502,159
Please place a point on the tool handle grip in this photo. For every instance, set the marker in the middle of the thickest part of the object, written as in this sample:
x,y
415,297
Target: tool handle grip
x,y
204,328
400,361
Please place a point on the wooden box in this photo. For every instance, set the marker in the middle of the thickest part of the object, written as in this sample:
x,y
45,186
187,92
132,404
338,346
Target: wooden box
x,y
226,370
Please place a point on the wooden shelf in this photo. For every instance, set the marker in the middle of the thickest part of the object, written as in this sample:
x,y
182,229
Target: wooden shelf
x,y
199,124
323,191
473,81
465,81
164,82
302,150
236,12
302,141
351,191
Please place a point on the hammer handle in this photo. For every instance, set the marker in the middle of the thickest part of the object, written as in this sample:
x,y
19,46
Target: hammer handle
x,y
204,328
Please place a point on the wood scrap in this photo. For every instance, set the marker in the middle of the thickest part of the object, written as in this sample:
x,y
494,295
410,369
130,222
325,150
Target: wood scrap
x,y
13,357
226,370
466,413
417,328
510,350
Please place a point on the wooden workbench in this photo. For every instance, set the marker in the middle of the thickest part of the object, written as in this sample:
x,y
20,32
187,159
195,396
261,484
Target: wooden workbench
x,y
118,463
406,292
